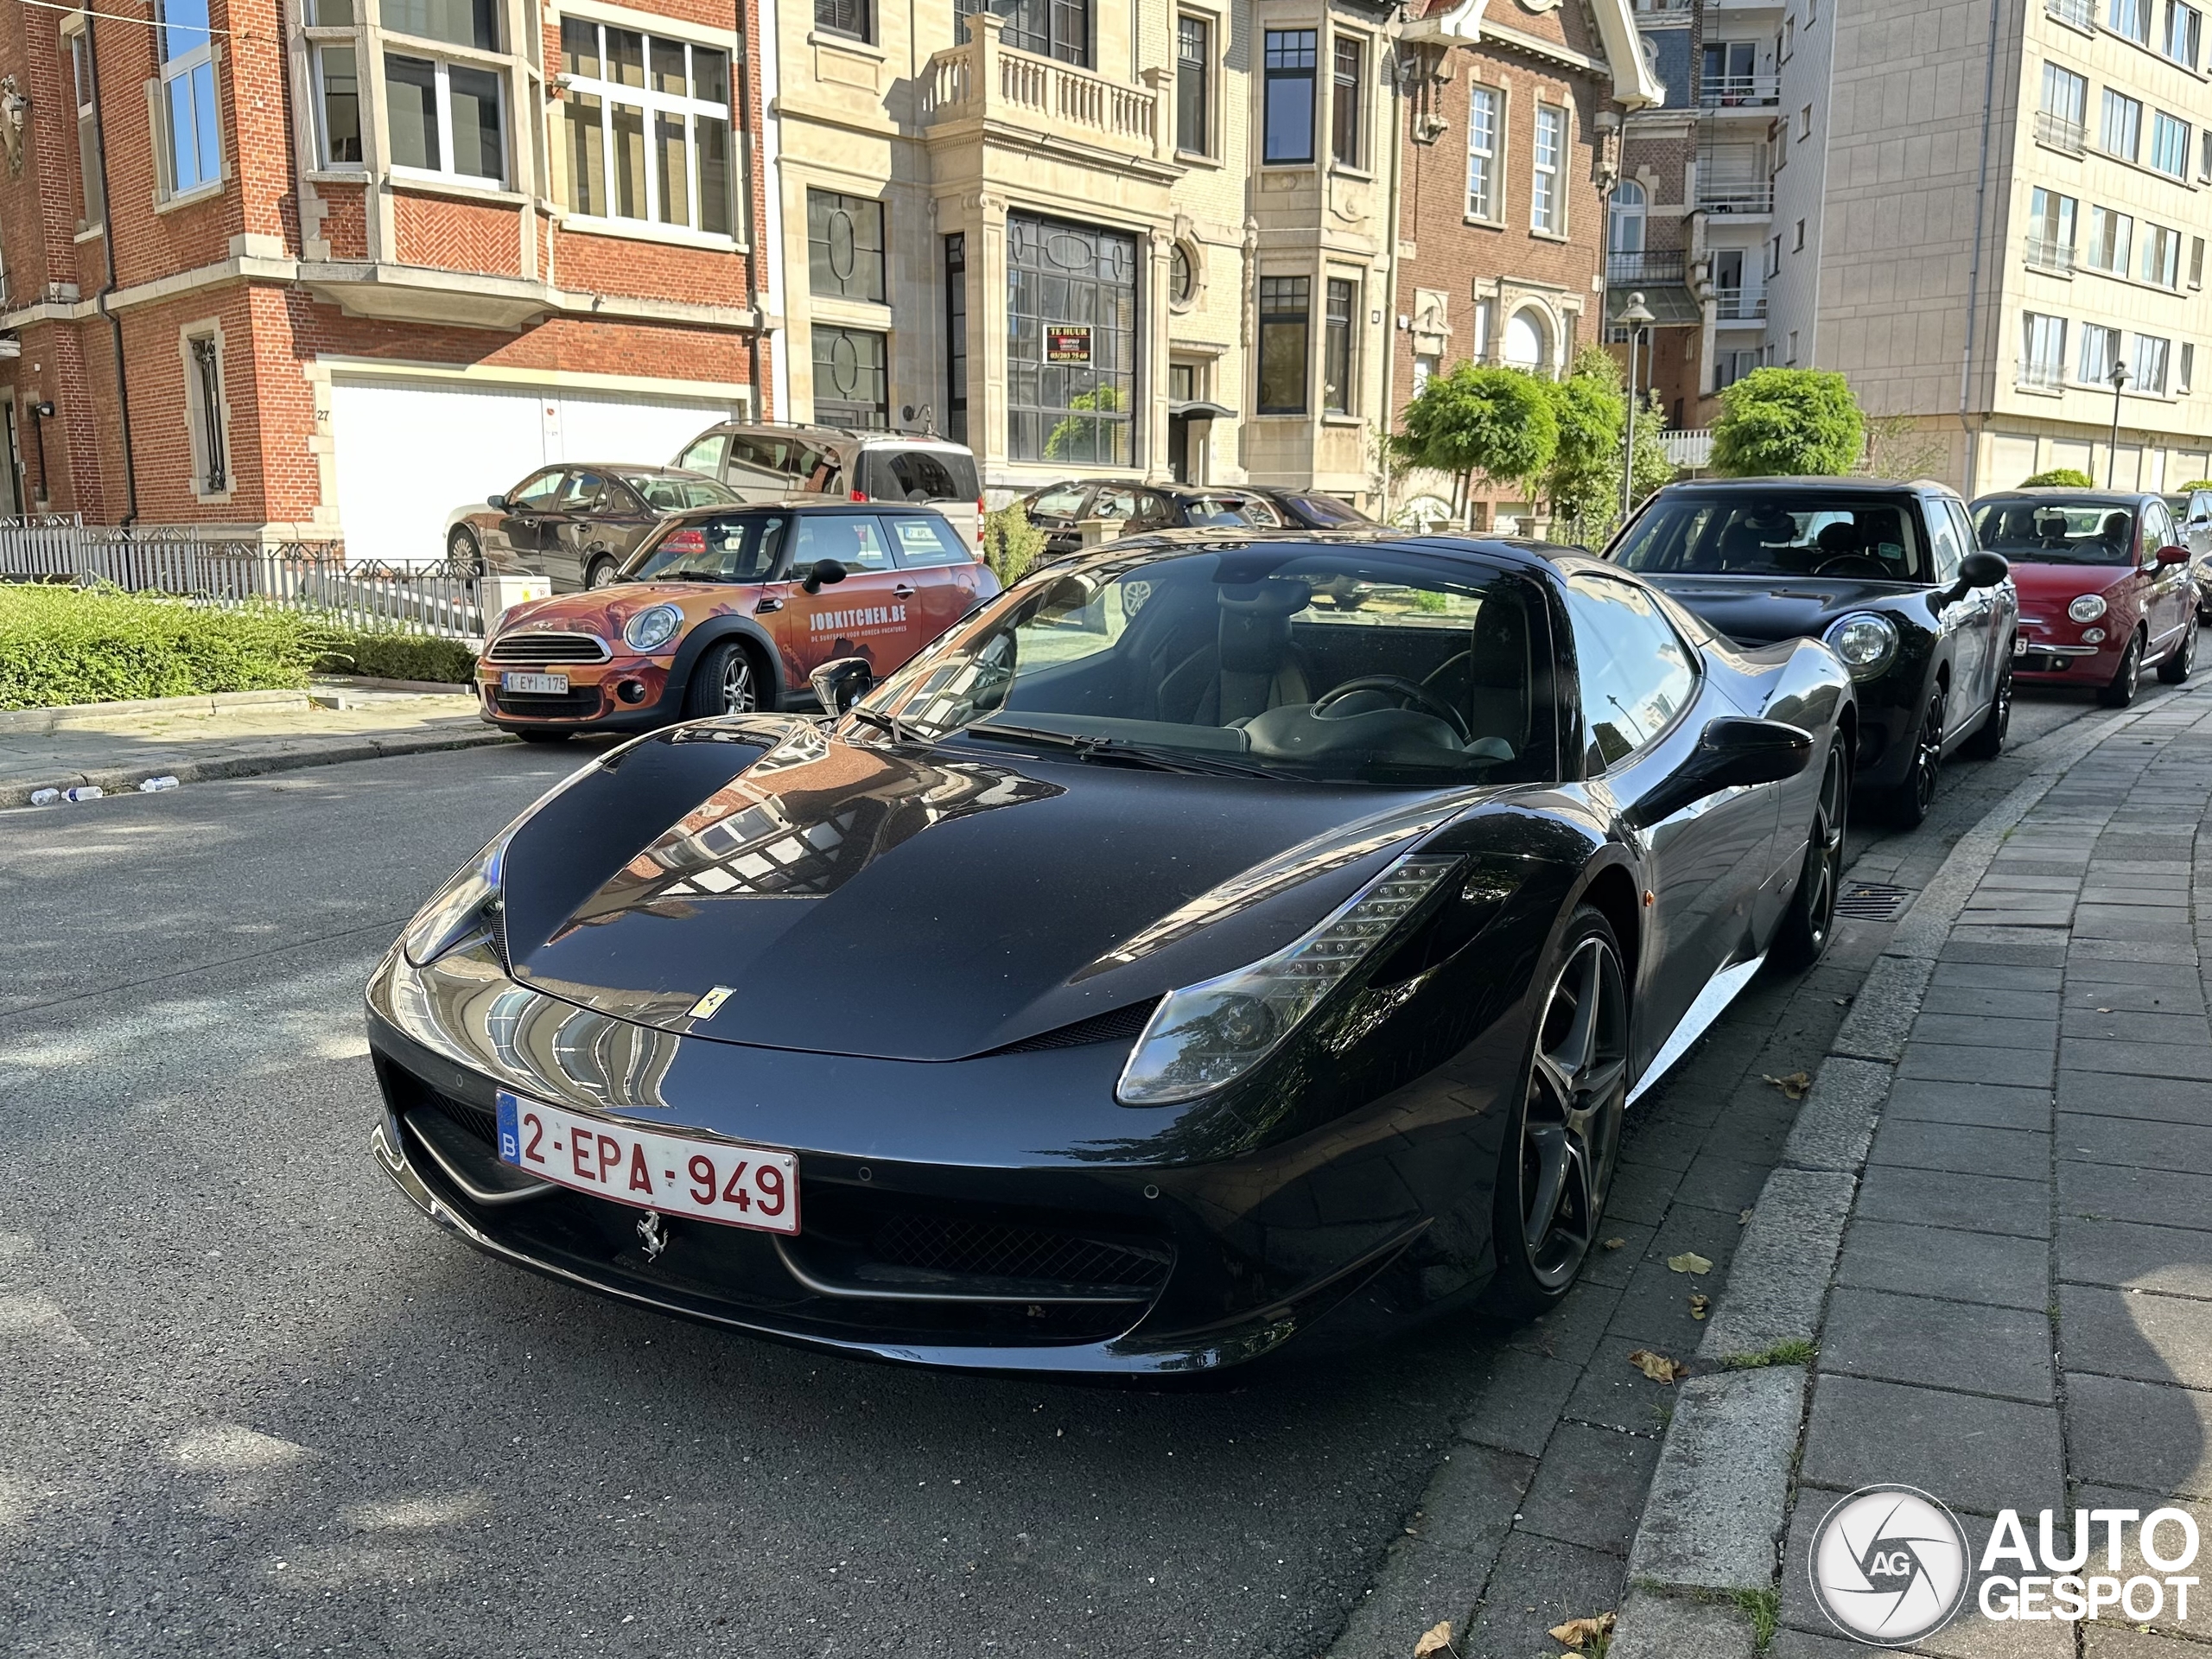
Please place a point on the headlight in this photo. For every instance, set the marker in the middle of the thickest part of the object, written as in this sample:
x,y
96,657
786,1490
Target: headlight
x,y
461,911
2087,608
1206,1035
1865,643
651,628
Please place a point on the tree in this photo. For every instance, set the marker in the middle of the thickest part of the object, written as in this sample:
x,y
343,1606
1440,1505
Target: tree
x,y
1788,423
2193,484
1074,438
1897,448
1494,421
1584,480
2067,478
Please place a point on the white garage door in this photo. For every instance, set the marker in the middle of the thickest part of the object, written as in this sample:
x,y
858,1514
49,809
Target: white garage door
x,y
409,453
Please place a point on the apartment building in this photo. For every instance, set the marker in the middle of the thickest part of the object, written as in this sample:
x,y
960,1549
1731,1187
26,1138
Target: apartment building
x,y
1511,151
327,269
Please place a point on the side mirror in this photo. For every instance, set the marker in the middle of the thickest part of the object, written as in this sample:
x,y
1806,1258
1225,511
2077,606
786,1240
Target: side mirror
x,y
842,683
1732,752
496,502
1980,568
2169,556
823,571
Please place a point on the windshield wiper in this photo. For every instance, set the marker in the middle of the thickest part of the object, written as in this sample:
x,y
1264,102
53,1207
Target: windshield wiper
x,y
1119,750
883,722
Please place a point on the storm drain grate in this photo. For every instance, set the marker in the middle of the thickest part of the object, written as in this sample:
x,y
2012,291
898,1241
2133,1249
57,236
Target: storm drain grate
x,y
1872,902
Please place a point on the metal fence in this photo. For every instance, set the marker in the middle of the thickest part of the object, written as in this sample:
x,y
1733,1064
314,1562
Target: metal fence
x,y
231,574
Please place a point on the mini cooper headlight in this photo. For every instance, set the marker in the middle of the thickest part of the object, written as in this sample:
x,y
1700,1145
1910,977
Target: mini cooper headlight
x,y
1209,1034
653,627
461,911
1864,643
2087,608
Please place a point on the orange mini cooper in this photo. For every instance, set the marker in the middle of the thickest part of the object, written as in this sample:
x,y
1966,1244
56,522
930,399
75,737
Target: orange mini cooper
x,y
726,610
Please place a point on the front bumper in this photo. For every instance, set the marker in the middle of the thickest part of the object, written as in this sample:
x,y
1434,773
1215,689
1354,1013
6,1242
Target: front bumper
x,y
2044,658
593,704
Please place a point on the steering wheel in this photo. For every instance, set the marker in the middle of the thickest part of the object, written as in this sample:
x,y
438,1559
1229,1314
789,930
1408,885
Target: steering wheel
x,y
1873,567
1406,691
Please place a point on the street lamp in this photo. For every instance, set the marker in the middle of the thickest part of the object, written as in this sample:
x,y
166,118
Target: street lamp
x,y
2112,455
1638,317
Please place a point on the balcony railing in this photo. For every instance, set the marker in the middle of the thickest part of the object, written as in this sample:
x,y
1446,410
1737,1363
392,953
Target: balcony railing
x,y
1739,305
1734,92
2044,254
2081,13
2060,133
1692,449
1623,268
1736,196
2048,377
984,78
1664,5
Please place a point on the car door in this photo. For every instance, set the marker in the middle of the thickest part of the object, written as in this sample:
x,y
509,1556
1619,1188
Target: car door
x,y
1645,700
572,529
2172,596
521,528
942,580
1965,624
863,615
1998,615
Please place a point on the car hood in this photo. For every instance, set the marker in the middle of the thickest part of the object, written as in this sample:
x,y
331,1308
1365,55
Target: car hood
x,y
604,610
912,904
2043,585
1759,610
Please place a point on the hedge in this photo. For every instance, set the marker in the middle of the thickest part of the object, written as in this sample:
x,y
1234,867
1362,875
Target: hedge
x,y
60,646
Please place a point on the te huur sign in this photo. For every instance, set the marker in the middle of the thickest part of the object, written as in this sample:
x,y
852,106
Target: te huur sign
x,y
1068,345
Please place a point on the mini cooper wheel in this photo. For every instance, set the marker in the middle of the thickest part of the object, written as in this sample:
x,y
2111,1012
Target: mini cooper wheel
x,y
1564,1134
2181,660
1804,932
1910,802
725,681
1989,740
2121,690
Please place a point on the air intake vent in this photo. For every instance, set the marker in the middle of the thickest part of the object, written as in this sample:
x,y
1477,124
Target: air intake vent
x,y
1121,1025
532,650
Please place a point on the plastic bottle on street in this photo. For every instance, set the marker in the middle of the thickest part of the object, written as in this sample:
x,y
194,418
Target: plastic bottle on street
x,y
45,797
153,786
84,792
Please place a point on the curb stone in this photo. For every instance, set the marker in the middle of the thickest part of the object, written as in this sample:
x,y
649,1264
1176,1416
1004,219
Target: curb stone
x,y
1780,1276
326,753
39,722
1721,1480
1658,1627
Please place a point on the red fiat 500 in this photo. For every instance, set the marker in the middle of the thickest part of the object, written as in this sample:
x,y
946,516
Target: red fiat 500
x,y
2106,588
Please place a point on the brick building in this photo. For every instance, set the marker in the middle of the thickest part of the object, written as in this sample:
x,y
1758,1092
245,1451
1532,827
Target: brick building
x,y
330,268
1510,142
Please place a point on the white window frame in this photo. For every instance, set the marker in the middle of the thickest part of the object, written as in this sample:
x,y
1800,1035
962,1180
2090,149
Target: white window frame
x,y
1547,179
76,48
2123,245
2043,349
183,71
323,161
2161,124
2159,239
2109,340
652,103
442,67
2141,11
2150,349
2132,111
1491,210
2191,23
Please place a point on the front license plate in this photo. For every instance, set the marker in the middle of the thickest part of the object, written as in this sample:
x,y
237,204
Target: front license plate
x,y
551,685
2020,645
676,1174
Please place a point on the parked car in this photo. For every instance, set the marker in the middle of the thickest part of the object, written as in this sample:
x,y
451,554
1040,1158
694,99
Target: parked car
x,y
1061,510
575,523
726,610
1314,510
1478,860
1886,574
2106,586
765,460
2192,512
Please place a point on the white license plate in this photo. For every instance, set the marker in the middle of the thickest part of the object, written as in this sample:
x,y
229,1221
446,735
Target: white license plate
x,y
678,1175
554,685
2020,645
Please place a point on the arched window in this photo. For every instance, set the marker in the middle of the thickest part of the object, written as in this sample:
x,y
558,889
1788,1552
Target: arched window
x,y
1626,235
1527,340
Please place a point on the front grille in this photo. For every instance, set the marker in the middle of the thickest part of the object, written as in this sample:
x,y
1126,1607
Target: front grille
x,y
576,705
1124,1025
935,1244
534,650
484,1125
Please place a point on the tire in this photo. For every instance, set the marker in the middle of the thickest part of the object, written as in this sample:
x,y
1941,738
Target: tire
x,y
2181,660
463,556
599,572
2119,691
725,680
542,735
1910,801
1989,740
1810,921
1563,1135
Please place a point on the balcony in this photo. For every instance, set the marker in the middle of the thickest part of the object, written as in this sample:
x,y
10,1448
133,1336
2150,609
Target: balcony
x,y
2060,133
1739,305
1735,195
2045,254
1036,103
1739,92
2043,377
1626,269
2076,14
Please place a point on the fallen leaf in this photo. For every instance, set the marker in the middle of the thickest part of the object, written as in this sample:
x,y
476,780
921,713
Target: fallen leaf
x,y
1436,1639
1658,1368
1689,1261
1576,1631
1795,1086
1743,1218
1615,1244
1698,1306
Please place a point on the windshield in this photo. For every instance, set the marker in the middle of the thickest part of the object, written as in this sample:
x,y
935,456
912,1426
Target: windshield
x,y
1336,664
664,494
2047,530
740,547
1797,533
1228,512
1326,510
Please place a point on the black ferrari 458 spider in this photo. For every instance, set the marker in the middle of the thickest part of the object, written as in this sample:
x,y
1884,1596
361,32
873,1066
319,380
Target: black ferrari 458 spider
x,y
1196,939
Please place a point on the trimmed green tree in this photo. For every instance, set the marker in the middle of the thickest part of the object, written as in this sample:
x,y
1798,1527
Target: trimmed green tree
x,y
1496,422
1584,480
1788,423
2067,478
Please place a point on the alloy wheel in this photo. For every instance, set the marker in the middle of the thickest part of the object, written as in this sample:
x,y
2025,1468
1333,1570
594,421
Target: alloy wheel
x,y
737,684
600,574
1928,754
1825,870
1577,1090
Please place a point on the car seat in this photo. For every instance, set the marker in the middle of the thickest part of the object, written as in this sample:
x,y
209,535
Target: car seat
x,y
1490,682
1250,666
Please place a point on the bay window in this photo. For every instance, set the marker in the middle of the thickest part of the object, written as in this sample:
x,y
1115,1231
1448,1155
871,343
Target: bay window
x,y
1347,85
446,120
191,148
1337,354
646,128
1193,78
338,107
1285,318
1288,121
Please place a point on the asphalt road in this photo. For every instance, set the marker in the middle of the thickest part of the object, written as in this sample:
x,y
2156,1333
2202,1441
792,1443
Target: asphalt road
x,y
250,1403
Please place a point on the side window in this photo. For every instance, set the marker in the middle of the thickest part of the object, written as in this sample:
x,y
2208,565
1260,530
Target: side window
x,y
1114,502
1062,503
855,541
1961,526
537,495
2158,531
922,539
1258,511
921,476
585,493
1636,673
704,454
1943,536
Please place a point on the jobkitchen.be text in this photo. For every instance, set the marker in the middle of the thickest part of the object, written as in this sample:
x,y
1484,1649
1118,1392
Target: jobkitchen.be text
x,y
868,616
2054,1583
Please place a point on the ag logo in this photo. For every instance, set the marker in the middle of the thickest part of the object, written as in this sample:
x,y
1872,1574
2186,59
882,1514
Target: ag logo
x,y
1889,1565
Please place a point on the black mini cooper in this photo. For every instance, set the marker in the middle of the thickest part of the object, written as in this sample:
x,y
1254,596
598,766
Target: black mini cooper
x,y
1888,575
